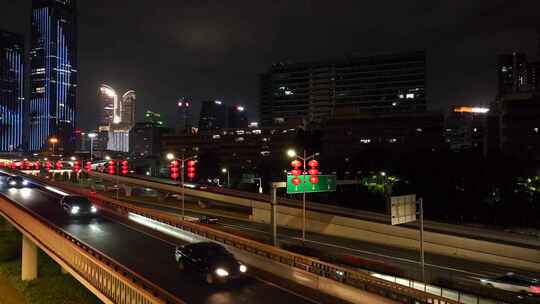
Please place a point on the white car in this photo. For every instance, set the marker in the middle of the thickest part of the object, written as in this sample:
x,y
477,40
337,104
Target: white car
x,y
514,283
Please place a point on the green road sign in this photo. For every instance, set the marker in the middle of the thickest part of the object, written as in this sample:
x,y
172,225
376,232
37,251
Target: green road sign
x,y
326,183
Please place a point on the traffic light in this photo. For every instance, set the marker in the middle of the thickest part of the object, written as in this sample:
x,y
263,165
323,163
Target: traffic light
x,y
313,171
76,166
174,169
296,164
110,167
191,169
124,167
88,166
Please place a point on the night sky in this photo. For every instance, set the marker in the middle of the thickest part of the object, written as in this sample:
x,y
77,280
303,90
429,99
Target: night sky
x,y
166,49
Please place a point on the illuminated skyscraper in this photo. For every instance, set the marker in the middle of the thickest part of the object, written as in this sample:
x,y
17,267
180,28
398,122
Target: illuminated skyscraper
x,y
11,91
109,104
213,115
127,108
183,122
53,81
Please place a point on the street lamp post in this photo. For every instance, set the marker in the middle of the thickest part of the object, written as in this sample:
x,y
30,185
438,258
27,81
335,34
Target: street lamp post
x,y
225,170
92,136
53,141
260,184
182,160
291,153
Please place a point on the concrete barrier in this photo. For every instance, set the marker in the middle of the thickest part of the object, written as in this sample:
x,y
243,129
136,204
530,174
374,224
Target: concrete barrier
x,y
402,237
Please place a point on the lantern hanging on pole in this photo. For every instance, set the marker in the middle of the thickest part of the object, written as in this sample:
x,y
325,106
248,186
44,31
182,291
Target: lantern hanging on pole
x,y
111,169
88,166
124,167
313,171
174,169
76,166
191,171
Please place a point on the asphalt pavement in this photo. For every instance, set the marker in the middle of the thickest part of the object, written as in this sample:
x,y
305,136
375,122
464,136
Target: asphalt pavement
x,y
150,256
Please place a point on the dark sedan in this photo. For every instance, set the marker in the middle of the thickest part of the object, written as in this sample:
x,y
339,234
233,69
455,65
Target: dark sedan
x,y
16,182
210,260
76,205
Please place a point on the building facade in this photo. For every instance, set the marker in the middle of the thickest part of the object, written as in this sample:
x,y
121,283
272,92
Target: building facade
x,y
127,108
11,92
53,68
145,139
316,91
213,116
183,113
465,128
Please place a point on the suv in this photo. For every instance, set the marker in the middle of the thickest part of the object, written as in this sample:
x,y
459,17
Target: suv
x,y
210,260
76,205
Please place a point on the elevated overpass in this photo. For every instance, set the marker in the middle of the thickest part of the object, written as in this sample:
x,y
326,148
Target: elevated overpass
x,y
326,277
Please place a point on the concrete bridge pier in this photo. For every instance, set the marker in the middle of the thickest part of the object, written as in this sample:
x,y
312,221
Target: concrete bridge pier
x,y
29,267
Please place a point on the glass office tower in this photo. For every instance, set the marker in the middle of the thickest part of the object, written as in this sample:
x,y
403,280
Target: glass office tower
x,y
53,79
11,91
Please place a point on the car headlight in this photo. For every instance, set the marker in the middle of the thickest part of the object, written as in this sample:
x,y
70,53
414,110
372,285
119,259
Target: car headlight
x,y
243,268
12,183
74,209
93,209
222,272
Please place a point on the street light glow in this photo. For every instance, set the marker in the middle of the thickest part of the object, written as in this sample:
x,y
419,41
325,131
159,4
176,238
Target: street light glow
x,y
107,157
291,153
224,170
383,173
170,156
73,158
92,135
53,140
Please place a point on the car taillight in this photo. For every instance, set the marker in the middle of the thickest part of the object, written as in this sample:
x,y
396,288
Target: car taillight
x,y
535,289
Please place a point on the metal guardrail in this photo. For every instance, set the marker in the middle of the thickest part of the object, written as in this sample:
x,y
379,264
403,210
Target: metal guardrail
x,y
109,279
359,279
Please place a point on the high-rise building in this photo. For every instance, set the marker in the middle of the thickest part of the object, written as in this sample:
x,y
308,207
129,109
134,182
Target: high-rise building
x,y
465,128
213,115
153,118
109,103
11,91
53,64
513,73
183,121
316,91
237,117
145,139
127,108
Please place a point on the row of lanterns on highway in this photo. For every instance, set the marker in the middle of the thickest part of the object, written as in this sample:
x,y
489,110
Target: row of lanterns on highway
x,y
296,171
175,170
58,165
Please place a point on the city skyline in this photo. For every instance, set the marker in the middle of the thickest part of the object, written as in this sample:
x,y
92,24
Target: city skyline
x,y
468,55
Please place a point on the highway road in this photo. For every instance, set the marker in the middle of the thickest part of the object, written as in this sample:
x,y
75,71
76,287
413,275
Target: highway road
x,y
441,270
150,255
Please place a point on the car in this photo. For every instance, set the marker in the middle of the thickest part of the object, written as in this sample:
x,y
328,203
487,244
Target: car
x,y
514,283
16,182
77,205
205,219
209,260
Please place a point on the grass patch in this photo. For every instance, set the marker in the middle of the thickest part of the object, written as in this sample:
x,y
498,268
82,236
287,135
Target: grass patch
x,y
51,286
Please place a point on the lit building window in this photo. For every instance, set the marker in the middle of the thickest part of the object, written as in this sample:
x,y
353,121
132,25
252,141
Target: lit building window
x,y
419,130
239,139
216,136
535,130
40,90
257,132
365,141
392,140
410,96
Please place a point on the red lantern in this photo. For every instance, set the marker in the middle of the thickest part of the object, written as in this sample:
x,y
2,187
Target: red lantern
x,y
191,169
48,166
296,172
313,179
296,181
313,171
313,163
76,166
111,167
124,168
174,169
59,165
296,163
